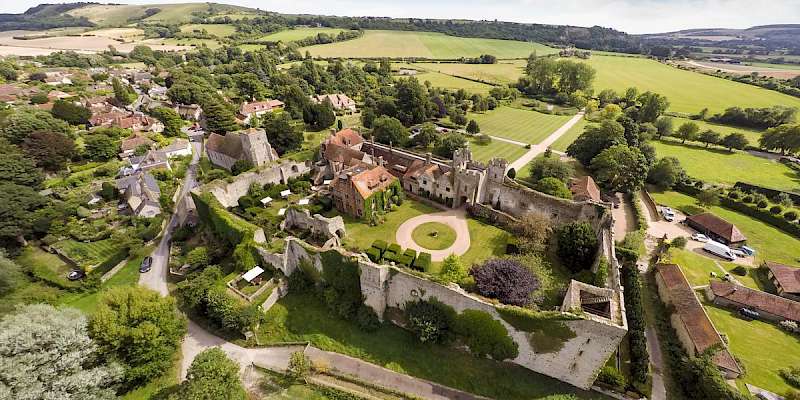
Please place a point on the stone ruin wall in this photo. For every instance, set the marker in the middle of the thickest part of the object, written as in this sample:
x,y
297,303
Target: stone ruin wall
x,y
577,362
228,193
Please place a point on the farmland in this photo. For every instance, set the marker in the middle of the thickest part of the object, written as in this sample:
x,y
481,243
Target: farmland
x,y
503,72
290,35
720,166
450,82
520,125
688,92
425,44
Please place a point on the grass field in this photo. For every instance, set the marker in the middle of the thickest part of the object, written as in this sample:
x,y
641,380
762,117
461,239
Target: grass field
x,y
210,43
520,125
450,82
425,44
696,267
46,266
720,166
752,135
497,148
290,35
771,243
502,73
434,235
220,30
118,14
763,348
687,91
567,138
299,317
87,254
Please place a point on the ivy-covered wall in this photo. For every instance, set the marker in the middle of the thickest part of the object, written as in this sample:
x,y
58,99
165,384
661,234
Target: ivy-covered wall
x,y
382,200
236,232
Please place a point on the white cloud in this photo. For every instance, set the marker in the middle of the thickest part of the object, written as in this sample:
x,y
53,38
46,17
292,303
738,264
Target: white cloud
x,y
646,16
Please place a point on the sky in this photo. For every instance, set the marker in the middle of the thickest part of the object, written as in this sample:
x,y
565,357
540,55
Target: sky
x,y
632,16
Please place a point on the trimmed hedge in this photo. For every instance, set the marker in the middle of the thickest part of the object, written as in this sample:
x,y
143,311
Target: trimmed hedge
x,y
237,232
640,359
777,221
374,254
380,245
423,262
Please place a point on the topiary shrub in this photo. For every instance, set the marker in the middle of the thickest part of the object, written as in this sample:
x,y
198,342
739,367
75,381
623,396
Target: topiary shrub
x,y
790,215
747,199
775,210
506,280
740,270
734,194
423,262
412,256
485,335
762,204
395,248
374,254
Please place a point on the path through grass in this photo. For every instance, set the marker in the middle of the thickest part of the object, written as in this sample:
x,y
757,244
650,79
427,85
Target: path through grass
x,y
520,125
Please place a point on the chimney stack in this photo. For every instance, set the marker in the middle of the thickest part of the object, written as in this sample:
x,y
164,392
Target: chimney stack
x,y
333,132
381,161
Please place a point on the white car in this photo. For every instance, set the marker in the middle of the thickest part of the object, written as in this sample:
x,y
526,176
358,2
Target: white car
x,y
668,214
700,237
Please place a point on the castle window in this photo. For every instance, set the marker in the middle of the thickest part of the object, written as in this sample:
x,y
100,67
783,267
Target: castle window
x,y
424,181
447,189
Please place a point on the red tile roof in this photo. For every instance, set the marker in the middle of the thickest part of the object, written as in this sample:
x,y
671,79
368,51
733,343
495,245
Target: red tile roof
x,y
698,325
372,180
249,108
584,188
757,300
788,277
346,137
718,226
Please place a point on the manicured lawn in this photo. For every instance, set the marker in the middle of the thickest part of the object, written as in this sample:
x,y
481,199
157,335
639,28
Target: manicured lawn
x,y
750,280
696,267
220,30
87,254
378,43
568,137
716,165
303,317
770,243
496,149
290,35
361,235
751,134
687,91
763,348
487,241
520,125
503,72
434,236
46,266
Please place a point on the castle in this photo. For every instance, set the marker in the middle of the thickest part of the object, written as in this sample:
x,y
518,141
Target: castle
x,y
250,145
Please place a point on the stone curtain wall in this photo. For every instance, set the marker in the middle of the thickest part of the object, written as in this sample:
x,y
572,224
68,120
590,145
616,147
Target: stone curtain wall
x,y
228,193
577,361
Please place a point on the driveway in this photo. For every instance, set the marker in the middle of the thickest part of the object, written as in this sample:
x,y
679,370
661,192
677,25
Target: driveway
x,y
624,220
456,219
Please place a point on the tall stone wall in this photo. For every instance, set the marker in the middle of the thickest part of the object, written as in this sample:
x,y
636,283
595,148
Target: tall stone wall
x,y
577,361
228,193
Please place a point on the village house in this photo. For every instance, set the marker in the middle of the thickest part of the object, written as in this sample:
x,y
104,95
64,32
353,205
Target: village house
x,y
106,117
716,228
785,278
151,160
191,112
353,186
128,146
250,145
258,108
141,194
585,189
137,121
178,148
340,101
157,91
769,306
95,102
695,330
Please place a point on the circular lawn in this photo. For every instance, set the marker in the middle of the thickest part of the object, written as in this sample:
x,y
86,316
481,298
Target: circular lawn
x,y
434,236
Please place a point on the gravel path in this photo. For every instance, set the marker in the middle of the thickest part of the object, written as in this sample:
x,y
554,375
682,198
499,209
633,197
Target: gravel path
x,y
455,219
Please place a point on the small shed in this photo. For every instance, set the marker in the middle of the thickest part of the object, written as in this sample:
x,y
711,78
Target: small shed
x,y
266,200
286,193
253,274
303,202
281,211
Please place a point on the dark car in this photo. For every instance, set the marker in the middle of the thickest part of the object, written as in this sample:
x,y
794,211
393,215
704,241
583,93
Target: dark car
x,y
748,314
146,264
75,274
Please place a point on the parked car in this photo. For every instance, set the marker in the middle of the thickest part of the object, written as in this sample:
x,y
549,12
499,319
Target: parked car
x,y
719,250
739,253
668,214
700,237
749,314
749,250
147,263
76,274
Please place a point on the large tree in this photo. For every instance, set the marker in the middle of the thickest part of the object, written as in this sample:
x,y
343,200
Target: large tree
x,y
219,118
24,121
100,147
212,376
139,328
449,143
595,139
319,115
413,104
735,140
388,130
652,106
506,280
51,150
74,114
17,207
620,168
785,138
282,134
171,120
687,131
666,173
577,245
553,187
47,354
550,167
123,93
16,167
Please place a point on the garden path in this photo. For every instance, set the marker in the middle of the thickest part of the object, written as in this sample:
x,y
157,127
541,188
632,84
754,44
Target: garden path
x,y
456,219
539,148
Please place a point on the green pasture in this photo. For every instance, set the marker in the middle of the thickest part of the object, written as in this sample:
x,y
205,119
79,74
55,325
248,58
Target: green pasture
x,y
290,35
495,149
220,30
752,135
451,82
503,72
378,43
